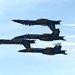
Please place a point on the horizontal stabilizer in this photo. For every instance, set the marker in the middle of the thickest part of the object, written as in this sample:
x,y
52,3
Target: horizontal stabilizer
x,y
63,52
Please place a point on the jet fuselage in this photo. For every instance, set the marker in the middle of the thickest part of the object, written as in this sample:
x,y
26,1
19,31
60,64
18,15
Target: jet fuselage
x,y
43,22
43,37
48,51
18,41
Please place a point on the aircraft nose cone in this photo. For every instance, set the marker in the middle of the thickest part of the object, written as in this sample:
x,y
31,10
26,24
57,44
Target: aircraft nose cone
x,y
18,21
15,20
22,51
19,51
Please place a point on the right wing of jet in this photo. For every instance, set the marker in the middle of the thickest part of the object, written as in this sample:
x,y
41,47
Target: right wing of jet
x,y
27,43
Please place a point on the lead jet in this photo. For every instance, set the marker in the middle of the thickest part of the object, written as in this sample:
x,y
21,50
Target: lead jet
x,y
19,40
47,51
44,37
43,22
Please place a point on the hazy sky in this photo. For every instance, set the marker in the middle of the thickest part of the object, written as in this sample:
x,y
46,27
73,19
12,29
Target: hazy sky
x,y
14,63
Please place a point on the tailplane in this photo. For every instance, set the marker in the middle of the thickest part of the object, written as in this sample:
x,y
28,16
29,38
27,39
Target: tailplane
x,y
62,38
63,52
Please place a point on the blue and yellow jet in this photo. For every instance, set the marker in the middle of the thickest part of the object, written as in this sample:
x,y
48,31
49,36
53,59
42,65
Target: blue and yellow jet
x,y
43,22
44,37
47,51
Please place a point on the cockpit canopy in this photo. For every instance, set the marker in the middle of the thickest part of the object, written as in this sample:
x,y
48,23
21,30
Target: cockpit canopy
x,y
58,44
42,19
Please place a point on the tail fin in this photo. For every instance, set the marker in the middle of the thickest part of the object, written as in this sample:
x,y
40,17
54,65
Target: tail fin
x,y
57,22
58,46
55,32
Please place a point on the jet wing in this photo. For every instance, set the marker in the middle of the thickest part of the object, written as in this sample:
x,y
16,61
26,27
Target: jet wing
x,y
27,43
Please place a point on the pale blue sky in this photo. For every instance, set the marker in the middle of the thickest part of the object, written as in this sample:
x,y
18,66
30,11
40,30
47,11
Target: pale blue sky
x,y
14,63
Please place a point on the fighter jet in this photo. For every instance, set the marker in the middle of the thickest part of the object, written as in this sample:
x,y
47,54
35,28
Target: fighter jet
x,y
44,37
43,22
20,41
47,51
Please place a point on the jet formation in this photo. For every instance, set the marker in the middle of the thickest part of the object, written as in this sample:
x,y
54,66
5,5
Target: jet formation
x,y
28,39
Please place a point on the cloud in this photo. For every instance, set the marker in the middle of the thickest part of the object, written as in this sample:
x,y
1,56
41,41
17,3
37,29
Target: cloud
x,y
53,43
69,44
72,36
68,24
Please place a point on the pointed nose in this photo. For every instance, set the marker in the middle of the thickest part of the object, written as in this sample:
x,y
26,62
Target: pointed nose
x,y
19,51
22,51
18,21
15,20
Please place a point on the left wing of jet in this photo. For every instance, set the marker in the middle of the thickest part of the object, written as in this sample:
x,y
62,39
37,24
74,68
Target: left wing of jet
x,y
27,43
